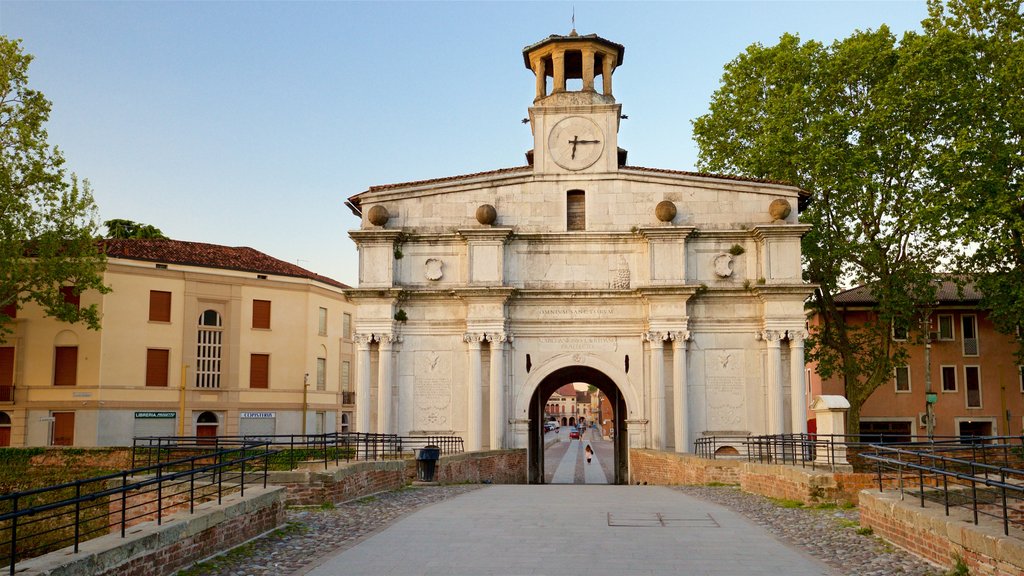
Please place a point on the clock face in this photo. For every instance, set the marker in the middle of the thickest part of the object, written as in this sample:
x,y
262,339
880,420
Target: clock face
x,y
576,143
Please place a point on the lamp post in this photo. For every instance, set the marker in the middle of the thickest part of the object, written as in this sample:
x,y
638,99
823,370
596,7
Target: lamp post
x,y
305,402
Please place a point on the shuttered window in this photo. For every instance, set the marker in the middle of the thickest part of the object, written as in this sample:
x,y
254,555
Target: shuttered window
x,y
159,306
261,314
11,310
70,296
65,366
259,371
6,373
157,363
575,210
322,322
321,373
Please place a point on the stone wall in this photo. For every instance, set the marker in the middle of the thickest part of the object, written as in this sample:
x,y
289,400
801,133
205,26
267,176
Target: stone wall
x,y
774,481
151,550
356,479
928,532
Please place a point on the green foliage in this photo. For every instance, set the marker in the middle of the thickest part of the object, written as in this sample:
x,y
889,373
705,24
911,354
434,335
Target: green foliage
x,y
787,503
48,221
736,250
959,566
852,123
401,316
127,229
865,531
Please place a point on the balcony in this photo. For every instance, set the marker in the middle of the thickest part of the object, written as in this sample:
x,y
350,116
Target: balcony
x,y
348,397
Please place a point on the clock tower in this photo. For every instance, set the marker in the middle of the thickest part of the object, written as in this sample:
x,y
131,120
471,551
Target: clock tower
x,y
575,125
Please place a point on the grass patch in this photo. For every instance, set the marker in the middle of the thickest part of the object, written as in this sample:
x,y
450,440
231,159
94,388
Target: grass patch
x,y
239,553
846,523
786,503
366,500
959,567
865,531
720,485
826,506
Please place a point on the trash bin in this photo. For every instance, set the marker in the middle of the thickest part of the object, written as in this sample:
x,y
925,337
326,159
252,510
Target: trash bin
x,y
426,463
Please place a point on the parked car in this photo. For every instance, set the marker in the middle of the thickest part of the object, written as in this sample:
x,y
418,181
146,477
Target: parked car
x,y
574,433
550,425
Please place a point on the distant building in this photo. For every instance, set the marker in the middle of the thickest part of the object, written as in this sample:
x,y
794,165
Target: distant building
x,y
196,338
978,386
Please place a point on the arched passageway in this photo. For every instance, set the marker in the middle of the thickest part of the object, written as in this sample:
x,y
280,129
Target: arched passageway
x,y
548,386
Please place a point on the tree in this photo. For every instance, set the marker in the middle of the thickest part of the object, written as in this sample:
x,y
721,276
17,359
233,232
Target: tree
x,y
837,121
48,219
976,69
127,229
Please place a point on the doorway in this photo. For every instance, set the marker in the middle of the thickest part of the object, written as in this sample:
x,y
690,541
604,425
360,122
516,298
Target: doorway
x,y
616,429
63,429
206,428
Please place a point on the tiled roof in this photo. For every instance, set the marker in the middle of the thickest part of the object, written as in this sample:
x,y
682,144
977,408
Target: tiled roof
x,y
241,258
710,175
948,293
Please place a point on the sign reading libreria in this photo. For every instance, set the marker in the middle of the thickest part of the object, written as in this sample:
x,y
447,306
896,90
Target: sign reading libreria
x,y
155,414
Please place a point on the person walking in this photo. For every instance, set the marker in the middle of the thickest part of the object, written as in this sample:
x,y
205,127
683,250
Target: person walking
x,y
589,452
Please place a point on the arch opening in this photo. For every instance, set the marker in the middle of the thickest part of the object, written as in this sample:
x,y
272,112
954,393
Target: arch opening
x,y
614,429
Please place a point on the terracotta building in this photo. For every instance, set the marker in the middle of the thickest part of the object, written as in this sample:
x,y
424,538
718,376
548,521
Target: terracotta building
x,y
976,383
196,339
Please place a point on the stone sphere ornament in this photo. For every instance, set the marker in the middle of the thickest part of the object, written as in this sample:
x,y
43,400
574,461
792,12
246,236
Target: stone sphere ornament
x,y
486,214
378,215
779,209
665,210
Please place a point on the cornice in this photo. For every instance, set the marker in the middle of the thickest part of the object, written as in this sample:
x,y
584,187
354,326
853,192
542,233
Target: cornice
x,y
379,235
766,231
666,232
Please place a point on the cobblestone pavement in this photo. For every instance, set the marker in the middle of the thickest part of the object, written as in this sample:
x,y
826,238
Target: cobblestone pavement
x,y
830,535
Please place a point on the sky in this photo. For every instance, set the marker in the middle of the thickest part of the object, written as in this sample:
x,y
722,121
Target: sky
x,y
250,123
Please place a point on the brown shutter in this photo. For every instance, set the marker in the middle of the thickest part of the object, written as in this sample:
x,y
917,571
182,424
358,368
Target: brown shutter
x,y
63,428
159,306
259,370
156,366
70,297
6,373
65,366
11,310
261,314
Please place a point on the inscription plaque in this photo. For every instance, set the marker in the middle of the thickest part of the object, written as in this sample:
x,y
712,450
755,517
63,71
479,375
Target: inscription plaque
x,y
433,396
579,343
725,389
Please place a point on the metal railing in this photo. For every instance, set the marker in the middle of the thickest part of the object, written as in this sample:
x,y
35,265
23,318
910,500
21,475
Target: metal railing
x,y
293,449
34,522
805,450
984,475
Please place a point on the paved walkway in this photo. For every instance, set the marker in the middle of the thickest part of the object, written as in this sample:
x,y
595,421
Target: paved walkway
x,y
586,530
565,463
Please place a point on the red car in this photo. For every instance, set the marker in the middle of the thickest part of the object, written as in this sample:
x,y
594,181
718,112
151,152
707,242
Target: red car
x,y
574,434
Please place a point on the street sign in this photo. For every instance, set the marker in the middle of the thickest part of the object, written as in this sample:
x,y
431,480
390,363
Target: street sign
x,y
156,414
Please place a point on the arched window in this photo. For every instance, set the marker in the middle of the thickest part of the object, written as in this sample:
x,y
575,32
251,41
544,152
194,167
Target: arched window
x,y
208,350
206,426
5,429
344,422
575,210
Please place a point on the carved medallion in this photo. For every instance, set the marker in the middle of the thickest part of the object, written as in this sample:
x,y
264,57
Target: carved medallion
x,y
723,265
433,269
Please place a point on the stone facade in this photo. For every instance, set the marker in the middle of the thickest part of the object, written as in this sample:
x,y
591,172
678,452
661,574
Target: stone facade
x,y
678,294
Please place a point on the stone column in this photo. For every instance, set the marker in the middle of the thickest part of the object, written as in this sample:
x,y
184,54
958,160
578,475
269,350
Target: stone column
x,y
797,383
680,399
606,73
558,61
384,362
657,357
498,390
363,384
588,70
776,399
475,406
540,69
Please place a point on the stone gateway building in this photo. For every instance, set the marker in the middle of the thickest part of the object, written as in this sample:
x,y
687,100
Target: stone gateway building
x,y
677,294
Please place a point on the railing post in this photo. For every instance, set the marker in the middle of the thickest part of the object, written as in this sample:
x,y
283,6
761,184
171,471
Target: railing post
x,y
219,470
266,464
1006,513
243,475
945,491
192,486
14,534
880,487
291,452
159,494
124,501
78,511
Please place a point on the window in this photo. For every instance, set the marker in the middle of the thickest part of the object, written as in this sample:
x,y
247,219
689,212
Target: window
x,y
903,379
969,328
6,373
1020,370
159,306
878,431
65,366
322,319
321,373
157,364
346,326
946,327
259,370
261,314
345,419
346,376
948,374
575,210
71,296
63,432
899,331
208,350
972,383
5,429
10,310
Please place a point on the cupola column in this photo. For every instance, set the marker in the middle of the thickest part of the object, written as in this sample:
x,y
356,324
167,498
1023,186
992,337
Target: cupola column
x,y
607,61
540,69
558,61
588,70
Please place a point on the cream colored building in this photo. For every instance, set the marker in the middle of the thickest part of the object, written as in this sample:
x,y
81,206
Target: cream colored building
x,y
196,338
677,294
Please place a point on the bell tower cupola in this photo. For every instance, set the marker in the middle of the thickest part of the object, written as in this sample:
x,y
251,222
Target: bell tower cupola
x,y
575,119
